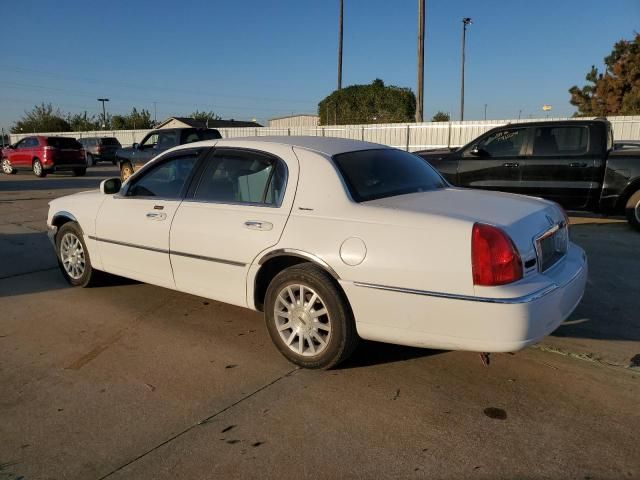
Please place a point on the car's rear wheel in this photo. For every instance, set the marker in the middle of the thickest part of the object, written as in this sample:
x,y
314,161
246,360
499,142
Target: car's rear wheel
x,y
308,317
38,171
73,257
126,170
7,169
90,160
632,210
79,172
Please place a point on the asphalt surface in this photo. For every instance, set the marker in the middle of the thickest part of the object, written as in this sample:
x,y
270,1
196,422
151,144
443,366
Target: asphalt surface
x,y
132,381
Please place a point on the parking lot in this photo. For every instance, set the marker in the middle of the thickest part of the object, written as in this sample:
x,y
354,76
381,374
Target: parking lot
x,y
134,381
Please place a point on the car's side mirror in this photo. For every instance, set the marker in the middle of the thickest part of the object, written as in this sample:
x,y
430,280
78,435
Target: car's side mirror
x,y
136,145
110,186
475,151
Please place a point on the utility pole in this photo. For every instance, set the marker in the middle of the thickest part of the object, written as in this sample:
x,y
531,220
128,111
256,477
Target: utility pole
x,y
519,113
340,45
104,112
420,86
485,111
155,114
465,21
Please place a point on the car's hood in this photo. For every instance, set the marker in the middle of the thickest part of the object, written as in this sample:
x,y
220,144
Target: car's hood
x,y
523,218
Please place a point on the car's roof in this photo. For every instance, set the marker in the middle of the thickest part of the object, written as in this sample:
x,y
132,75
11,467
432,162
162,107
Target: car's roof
x,y
326,145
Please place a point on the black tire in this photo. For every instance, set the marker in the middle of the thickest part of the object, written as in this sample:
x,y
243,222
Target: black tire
x,y
343,337
115,162
79,172
126,170
91,162
89,277
38,169
632,210
7,169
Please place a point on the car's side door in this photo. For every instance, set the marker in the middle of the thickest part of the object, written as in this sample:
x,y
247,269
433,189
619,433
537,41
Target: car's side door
x,y
560,166
132,227
19,156
494,162
237,209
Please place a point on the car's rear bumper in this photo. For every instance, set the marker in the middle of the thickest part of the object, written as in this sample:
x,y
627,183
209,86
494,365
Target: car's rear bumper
x,y
64,166
483,324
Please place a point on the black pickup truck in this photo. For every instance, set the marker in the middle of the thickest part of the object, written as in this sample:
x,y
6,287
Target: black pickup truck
x,y
571,162
157,141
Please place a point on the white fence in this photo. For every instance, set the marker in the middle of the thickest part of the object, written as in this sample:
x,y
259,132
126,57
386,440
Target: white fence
x,y
407,136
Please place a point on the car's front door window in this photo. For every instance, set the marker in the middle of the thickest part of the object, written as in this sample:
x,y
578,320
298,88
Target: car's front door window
x,y
166,179
150,142
501,144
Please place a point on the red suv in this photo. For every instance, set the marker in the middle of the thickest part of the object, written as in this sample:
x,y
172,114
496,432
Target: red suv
x,y
44,155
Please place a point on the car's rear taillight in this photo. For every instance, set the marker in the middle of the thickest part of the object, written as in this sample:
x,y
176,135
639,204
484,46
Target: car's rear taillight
x,y
494,257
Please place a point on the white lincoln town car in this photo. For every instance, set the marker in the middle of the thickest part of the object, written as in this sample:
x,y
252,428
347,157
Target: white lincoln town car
x,y
334,240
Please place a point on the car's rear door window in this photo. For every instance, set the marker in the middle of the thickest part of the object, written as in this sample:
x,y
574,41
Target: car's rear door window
x,y
380,173
242,177
562,140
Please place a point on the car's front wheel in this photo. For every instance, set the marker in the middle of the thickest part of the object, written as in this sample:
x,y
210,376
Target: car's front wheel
x,y
7,169
73,257
633,210
308,317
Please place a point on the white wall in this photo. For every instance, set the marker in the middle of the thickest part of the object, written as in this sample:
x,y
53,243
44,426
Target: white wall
x,y
410,136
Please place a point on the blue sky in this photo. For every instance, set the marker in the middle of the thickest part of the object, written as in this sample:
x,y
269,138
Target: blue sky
x,y
257,59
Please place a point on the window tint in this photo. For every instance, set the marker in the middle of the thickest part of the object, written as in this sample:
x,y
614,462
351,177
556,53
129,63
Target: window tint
x,y
150,142
168,139
33,142
190,136
62,142
109,141
371,174
166,179
234,176
549,141
24,143
504,143
210,134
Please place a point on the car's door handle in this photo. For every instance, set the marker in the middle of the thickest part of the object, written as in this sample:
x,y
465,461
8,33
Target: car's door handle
x,y
511,164
156,216
577,165
258,225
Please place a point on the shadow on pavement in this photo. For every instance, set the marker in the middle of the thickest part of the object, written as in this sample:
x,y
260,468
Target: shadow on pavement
x,y
374,353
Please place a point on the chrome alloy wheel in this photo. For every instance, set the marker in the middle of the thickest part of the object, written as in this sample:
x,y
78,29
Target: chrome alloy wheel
x,y
6,166
636,211
72,256
302,320
37,168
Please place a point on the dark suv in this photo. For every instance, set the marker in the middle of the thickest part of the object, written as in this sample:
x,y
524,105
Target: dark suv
x,y
44,155
100,149
156,142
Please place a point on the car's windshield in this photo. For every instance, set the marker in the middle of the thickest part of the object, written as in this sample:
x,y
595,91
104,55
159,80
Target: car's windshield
x,y
380,173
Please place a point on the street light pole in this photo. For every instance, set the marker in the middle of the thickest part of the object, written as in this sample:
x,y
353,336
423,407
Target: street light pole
x,y
104,112
340,45
420,86
465,21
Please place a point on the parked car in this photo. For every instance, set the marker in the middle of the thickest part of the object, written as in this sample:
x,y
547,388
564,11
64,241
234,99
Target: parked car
x,y
100,149
157,141
334,240
44,155
626,145
571,162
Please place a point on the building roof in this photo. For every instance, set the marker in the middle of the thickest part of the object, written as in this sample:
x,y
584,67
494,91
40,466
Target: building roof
x,y
192,122
296,115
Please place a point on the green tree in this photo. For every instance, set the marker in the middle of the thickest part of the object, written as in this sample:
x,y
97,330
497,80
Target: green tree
x,y
373,103
205,116
440,117
136,120
43,118
81,122
617,90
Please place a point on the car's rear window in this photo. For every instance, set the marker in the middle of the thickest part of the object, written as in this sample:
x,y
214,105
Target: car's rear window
x,y
380,173
109,141
62,142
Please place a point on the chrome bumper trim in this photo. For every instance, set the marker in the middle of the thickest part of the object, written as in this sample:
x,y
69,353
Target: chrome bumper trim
x,y
452,296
